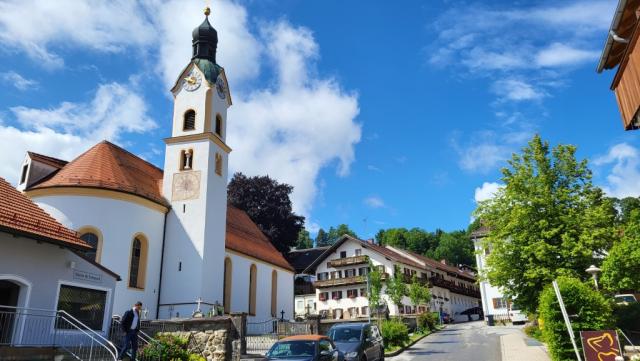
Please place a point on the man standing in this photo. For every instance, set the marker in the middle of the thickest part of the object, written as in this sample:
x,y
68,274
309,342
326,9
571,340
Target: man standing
x,y
130,325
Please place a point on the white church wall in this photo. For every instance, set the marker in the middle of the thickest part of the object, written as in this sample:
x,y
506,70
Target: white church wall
x,y
40,269
241,266
119,222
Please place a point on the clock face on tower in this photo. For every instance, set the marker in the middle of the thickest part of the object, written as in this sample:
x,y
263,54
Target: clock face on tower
x,y
186,185
192,81
221,87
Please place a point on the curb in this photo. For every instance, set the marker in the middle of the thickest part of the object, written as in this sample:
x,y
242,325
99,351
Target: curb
x,y
401,350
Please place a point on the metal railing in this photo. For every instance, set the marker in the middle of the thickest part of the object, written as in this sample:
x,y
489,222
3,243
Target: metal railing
x,y
57,329
117,337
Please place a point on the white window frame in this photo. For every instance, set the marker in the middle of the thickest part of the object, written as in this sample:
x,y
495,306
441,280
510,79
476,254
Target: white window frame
x,y
107,308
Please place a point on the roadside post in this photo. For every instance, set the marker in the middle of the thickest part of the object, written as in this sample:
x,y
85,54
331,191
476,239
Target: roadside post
x,y
566,319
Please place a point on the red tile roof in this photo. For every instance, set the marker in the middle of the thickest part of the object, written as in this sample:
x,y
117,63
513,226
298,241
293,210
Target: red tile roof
x,y
441,266
19,215
54,162
395,256
108,166
244,236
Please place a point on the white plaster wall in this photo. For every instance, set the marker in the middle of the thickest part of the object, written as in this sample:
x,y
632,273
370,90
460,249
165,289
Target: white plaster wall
x,y
487,291
118,221
240,288
301,309
44,267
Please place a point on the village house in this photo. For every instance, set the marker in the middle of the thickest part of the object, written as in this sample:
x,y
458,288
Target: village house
x,y
342,283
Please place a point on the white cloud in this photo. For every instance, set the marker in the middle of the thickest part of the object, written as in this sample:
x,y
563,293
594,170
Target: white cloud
x,y
516,90
558,54
69,129
487,191
40,28
18,81
625,174
373,168
374,202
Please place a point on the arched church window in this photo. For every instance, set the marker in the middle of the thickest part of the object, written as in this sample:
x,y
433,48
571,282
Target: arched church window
x,y
228,269
253,274
218,164
219,125
138,263
186,159
274,293
189,120
94,241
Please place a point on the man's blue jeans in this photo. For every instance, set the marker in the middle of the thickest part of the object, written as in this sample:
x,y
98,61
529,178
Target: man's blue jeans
x,y
130,341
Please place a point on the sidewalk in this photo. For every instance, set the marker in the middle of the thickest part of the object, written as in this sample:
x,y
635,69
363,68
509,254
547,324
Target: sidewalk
x,y
515,348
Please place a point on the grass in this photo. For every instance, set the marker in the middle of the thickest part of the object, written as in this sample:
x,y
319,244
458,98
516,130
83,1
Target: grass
x,y
412,338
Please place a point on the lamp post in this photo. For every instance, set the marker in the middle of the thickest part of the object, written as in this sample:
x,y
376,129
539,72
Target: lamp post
x,y
593,271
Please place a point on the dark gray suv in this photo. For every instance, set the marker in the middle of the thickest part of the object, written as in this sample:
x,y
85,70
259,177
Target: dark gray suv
x,y
358,341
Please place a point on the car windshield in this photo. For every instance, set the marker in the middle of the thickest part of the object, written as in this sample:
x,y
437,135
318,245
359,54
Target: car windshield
x,y
345,334
625,298
292,349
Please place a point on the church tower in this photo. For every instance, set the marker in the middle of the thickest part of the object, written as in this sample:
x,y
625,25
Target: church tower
x,y
195,182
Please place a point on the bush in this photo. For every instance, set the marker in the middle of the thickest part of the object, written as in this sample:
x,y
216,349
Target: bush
x,y
170,347
533,331
395,333
427,321
591,310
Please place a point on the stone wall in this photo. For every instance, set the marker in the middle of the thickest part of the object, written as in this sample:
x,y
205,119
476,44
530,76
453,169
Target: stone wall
x,y
212,337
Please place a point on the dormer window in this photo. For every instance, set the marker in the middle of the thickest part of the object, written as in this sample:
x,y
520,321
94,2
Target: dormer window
x,y
219,125
23,176
189,120
186,159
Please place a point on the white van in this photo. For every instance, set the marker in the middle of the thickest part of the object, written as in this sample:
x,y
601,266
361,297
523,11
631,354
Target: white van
x,y
516,315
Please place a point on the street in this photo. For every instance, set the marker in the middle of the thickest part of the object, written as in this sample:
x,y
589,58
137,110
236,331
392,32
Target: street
x,y
459,342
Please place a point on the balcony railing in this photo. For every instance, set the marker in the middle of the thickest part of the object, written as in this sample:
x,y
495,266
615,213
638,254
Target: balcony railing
x,y
348,261
451,286
345,281
304,289
409,279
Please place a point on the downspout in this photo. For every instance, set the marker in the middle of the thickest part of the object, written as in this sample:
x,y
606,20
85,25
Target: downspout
x,y
164,235
612,36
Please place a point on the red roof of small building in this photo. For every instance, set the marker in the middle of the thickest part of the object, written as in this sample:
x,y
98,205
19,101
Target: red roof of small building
x,y
108,166
19,215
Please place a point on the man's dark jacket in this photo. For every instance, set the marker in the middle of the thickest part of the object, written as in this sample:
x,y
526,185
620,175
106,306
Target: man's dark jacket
x,y
127,320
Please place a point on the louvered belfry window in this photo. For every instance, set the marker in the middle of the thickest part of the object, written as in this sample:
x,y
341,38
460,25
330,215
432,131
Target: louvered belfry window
x,y
189,120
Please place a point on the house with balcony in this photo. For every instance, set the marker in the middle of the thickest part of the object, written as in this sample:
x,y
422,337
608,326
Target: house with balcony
x,y
494,302
303,285
620,53
342,283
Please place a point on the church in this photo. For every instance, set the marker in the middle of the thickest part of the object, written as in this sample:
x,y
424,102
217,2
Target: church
x,y
169,233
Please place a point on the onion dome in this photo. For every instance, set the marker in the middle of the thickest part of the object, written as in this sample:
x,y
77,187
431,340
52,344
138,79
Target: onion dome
x,y
205,40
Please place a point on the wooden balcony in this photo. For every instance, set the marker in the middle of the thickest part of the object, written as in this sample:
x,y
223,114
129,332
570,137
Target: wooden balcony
x,y
348,261
423,281
626,85
344,281
451,286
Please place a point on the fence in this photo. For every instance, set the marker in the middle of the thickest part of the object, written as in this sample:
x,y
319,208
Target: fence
x,y
21,327
263,334
117,336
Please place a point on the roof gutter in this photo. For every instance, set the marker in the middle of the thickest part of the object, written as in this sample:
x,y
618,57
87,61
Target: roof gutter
x,y
612,36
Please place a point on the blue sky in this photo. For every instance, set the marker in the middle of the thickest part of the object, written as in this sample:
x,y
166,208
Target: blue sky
x,y
398,113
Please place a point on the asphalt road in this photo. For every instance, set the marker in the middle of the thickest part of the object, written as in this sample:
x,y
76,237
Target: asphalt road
x,y
458,342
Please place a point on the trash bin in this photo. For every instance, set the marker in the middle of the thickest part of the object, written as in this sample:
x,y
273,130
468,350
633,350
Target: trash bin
x,y
490,320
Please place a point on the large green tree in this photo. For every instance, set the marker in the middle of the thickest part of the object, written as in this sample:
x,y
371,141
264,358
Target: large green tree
x,y
548,220
336,233
304,240
268,204
621,267
322,239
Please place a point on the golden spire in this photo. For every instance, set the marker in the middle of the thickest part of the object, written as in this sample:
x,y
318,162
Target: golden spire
x,y
207,11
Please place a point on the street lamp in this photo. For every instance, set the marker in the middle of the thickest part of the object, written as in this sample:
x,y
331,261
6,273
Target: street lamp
x,y
593,271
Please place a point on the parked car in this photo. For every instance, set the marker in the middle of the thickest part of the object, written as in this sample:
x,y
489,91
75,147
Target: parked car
x,y
516,315
627,298
358,341
305,348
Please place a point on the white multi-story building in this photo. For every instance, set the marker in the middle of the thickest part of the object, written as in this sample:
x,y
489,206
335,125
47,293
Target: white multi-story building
x,y
341,280
493,301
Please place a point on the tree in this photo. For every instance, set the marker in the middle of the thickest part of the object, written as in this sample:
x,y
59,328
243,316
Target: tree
x,y
322,239
418,293
621,267
396,287
548,220
374,277
335,234
304,240
267,203
456,247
